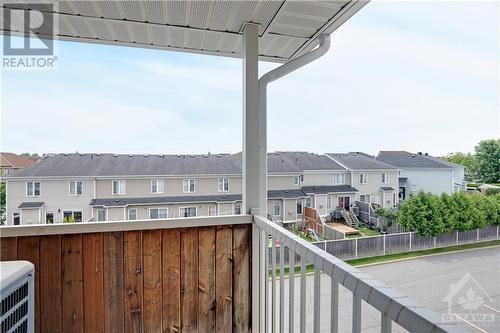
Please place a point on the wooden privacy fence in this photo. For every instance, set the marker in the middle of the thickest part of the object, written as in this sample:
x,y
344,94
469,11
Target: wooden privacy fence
x,y
160,280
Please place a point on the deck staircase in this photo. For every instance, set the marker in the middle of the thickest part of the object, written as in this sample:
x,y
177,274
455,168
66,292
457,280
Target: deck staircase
x,y
348,218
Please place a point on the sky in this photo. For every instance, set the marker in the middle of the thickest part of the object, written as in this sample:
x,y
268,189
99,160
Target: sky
x,y
417,76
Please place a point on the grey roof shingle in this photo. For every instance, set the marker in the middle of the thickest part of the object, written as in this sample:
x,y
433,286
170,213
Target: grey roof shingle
x,y
328,189
120,202
28,205
101,165
404,159
360,161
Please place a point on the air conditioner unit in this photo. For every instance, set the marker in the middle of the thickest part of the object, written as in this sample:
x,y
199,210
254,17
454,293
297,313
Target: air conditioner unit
x,y
17,295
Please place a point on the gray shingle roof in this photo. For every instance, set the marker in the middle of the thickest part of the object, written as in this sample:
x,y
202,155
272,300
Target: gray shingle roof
x,y
359,161
328,189
27,205
386,188
120,202
404,159
99,165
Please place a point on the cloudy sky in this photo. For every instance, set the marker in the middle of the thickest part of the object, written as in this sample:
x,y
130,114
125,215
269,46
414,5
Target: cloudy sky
x,y
417,76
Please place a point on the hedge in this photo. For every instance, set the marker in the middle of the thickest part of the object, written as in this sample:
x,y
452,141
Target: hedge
x,y
430,214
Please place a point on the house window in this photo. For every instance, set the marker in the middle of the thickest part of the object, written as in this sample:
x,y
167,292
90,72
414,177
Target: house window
x,y
394,199
75,188
188,185
277,209
339,179
212,210
237,209
386,178
157,186
16,219
70,216
223,185
158,213
32,189
328,203
101,215
299,207
296,180
119,187
132,214
364,198
187,211
363,179
308,202
49,217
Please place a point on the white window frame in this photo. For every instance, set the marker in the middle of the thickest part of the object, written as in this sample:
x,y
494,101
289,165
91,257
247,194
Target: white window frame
x,y
223,184
182,209
386,178
53,217
186,185
105,215
299,202
363,178
214,209
234,209
33,193
122,187
277,205
75,183
159,184
157,208
73,211
135,210
365,195
329,202
296,180
338,178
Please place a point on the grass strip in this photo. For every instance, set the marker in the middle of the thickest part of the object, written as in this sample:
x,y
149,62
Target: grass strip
x,y
413,254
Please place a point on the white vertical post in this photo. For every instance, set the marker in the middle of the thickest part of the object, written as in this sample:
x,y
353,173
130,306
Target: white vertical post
x,y
254,156
254,139
384,242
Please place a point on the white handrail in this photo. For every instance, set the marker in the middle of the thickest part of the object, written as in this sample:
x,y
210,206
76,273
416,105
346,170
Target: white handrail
x,y
393,306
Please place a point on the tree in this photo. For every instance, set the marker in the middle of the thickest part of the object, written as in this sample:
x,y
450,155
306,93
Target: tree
x,y
488,160
468,160
2,202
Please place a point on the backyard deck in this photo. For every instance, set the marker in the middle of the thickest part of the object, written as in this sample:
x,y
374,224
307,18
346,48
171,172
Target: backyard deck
x,y
343,228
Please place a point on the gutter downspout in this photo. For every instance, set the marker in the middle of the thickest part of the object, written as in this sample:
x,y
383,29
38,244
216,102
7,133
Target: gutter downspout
x,y
292,65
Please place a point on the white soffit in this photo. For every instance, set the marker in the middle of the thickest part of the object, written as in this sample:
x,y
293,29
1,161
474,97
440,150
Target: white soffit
x,y
287,28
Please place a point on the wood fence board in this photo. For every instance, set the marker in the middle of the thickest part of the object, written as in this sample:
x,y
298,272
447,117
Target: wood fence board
x,y
132,253
206,296
151,244
28,248
51,284
224,278
171,283
242,236
93,283
189,279
72,282
8,248
114,309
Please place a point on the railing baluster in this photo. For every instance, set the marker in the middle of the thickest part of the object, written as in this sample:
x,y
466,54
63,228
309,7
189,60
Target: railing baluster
x,y
356,314
302,293
386,324
291,285
266,281
334,311
317,298
273,290
282,288
263,253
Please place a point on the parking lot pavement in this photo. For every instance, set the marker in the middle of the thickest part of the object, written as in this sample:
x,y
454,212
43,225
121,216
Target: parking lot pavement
x,y
469,280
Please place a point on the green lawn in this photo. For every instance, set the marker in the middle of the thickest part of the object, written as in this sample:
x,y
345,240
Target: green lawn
x,y
364,231
413,254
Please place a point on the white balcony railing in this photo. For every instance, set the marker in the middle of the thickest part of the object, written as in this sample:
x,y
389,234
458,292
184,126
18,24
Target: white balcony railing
x,y
287,250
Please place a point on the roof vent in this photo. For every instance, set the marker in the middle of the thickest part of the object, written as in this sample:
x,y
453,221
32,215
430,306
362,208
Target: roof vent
x,y
146,155
66,154
218,155
82,154
413,155
117,200
286,191
420,153
192,156
130,155
115,155
91,157
98,154
426,154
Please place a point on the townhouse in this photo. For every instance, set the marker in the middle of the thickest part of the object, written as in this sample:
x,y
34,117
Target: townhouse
x,y
422,172
112,187
377,182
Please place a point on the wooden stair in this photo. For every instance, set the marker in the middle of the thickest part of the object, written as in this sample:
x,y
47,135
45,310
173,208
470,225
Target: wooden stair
x,y
348,218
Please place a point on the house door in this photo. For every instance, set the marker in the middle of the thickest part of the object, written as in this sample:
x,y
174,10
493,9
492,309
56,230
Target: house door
x,y
344,202
16,219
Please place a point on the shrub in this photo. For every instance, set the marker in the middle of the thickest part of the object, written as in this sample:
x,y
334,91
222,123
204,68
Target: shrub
x,y
492,191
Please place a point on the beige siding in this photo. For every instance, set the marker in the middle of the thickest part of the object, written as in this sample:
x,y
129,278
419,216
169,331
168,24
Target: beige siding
x,y
290,210
373,186
276,182
55,194
30,216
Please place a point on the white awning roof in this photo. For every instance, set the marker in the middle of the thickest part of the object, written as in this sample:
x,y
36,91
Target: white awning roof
x,y
287,30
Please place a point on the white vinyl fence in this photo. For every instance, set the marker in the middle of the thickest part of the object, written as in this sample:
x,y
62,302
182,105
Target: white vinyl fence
x,y
403,242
